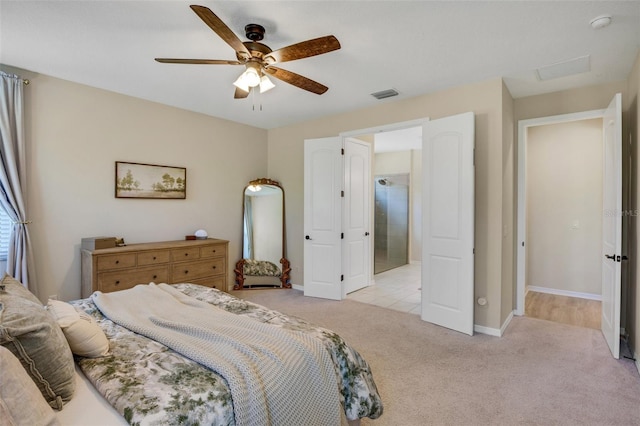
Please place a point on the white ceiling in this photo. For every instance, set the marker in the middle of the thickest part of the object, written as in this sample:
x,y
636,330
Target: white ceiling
x,y
415,47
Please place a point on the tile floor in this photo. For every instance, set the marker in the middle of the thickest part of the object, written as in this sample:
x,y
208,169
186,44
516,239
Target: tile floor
x,y
397,289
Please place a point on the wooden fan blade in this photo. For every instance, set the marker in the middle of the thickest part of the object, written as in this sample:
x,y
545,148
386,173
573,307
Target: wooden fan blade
x,y
304,49
198,61
297,80
240,94
220,28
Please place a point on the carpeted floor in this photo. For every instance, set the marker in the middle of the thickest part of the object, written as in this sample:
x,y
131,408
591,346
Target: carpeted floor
x,y
538,373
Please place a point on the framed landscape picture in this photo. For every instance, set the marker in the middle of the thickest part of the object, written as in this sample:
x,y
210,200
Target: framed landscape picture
x,y
137,180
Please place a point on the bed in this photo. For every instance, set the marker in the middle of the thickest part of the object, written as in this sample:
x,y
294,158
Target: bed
x,y
144,381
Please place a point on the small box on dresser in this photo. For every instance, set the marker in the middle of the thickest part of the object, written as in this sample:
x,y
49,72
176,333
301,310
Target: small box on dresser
x,y
197,261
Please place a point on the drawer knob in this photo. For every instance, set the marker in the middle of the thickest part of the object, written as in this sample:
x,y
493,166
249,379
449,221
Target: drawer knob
x,y
214,266
186,254
117,282
186,271
117,261
154,258
155,276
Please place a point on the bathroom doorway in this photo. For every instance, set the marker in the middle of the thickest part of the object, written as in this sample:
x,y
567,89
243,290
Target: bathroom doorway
x,y
391,221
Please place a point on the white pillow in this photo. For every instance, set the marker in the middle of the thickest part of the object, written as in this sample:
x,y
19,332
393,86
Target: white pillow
x,y
84,336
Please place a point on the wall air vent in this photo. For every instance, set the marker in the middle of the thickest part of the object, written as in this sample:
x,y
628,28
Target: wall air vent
x,y
385,94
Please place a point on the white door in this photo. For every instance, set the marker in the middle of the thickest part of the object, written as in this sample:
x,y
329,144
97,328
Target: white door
x,y
612,224
357,214
323,173
448,222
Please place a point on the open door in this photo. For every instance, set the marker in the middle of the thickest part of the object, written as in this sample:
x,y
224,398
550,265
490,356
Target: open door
x,y
448,222
323,178
357,214
612,224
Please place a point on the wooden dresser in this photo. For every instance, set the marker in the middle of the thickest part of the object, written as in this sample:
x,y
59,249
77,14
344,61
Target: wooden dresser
x,y
196,261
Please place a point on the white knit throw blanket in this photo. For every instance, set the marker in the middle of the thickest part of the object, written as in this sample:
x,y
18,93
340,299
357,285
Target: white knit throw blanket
x,y
276,376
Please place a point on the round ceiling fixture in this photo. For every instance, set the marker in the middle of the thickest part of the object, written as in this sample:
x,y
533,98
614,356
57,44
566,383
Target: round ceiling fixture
x,y
600,22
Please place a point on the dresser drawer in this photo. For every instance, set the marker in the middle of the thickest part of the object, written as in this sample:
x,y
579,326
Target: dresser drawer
x,y
153,257
218,282
121,280
213,251
116,261
185,272
185,254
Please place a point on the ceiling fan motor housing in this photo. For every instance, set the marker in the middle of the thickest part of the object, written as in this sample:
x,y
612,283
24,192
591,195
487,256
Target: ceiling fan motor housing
x,y
254,32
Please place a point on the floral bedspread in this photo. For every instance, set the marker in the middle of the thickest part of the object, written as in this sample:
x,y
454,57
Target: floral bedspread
x,y
150,384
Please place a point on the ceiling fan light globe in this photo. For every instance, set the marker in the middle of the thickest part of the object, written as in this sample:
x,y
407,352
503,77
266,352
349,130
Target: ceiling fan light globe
x,y
251,77
241,84
266,84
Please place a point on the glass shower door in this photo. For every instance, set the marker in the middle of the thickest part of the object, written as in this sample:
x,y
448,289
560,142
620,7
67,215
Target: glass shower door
x,y
391,222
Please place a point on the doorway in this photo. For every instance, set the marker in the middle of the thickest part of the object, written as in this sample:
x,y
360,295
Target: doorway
x,y
447,267
564,222
391,222
611,212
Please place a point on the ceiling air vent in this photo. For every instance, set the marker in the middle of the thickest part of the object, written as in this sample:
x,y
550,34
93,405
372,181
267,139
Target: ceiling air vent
x,y
385,94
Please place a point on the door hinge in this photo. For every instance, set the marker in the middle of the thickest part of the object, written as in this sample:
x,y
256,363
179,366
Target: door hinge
x,y
342,235
342,194
474,250
474,156
341,151
341,277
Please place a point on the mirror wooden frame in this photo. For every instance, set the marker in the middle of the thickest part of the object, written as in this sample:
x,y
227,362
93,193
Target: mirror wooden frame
x,y
285,268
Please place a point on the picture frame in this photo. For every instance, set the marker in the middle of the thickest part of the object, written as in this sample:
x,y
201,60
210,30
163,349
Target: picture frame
x,y
150,181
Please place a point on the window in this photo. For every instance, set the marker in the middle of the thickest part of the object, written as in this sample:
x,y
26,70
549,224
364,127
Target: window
x,y
5,229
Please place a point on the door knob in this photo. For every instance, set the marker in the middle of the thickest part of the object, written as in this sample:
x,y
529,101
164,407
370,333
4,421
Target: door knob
x,y
366,234
307,237
612,257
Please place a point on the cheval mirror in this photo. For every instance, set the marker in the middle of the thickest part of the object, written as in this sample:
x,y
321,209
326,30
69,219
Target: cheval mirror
x,y
263,242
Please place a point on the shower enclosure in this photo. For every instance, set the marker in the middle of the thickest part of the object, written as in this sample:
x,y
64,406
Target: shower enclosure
x,y
391,222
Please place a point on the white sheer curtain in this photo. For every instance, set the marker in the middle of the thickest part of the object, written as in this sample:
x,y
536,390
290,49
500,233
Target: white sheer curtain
x,y
13,183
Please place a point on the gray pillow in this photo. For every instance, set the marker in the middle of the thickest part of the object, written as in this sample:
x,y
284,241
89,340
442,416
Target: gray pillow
x,y
34,337
20,401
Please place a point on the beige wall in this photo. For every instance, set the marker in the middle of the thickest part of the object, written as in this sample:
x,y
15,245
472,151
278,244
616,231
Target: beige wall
x,y
416,203
75,134
568,101
485,99
390,163
564,206
508,208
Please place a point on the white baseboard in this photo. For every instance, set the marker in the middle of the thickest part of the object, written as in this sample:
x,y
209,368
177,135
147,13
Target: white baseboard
x,y
494,331
590,296
506,323
297,287
637,362
486,330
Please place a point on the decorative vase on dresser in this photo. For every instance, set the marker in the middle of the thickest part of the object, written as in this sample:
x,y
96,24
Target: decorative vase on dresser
x,y
196,261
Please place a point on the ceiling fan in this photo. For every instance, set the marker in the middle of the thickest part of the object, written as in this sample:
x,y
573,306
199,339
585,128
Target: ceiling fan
x,y
258,58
